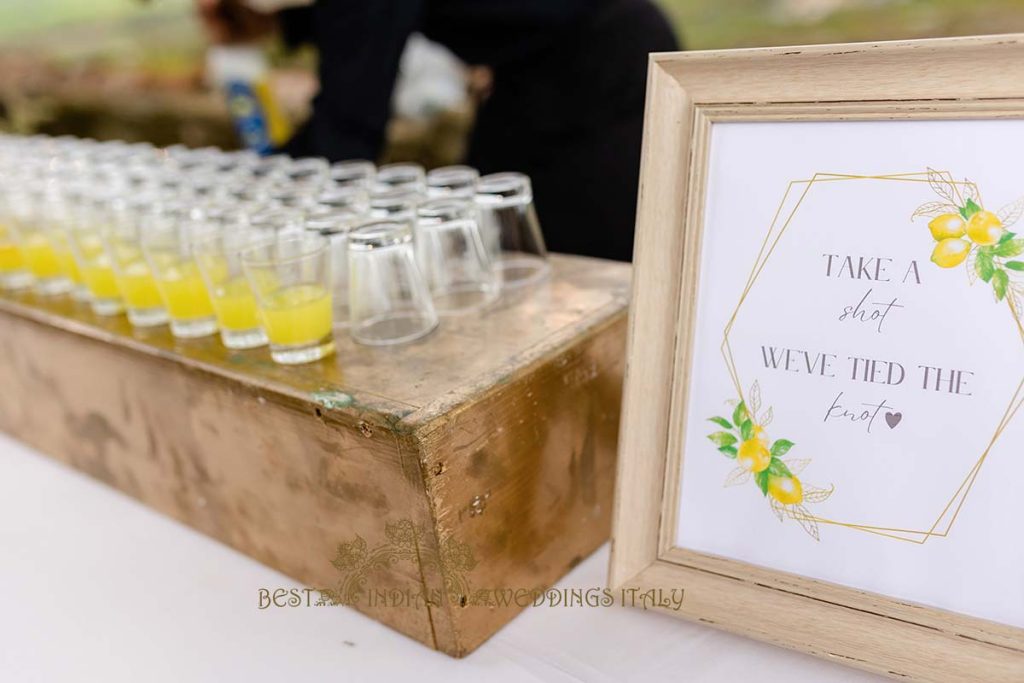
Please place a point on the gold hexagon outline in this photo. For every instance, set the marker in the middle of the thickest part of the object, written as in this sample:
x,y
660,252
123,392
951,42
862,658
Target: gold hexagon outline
x,y
908,535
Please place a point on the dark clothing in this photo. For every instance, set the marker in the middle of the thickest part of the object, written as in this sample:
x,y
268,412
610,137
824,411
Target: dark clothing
x,y
566,108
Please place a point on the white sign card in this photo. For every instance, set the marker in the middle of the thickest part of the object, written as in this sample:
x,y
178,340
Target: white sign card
x,y
857,359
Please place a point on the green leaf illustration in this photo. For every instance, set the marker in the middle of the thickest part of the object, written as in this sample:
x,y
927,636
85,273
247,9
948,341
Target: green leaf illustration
x,y
722,439
762,481
1007,236
747,429
1000,281
1009,248
721,422
740,414
781,447
984,264
1015,265
729,451
778,468
969,209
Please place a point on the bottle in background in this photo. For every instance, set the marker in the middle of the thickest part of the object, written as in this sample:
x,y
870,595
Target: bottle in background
x,y
242,74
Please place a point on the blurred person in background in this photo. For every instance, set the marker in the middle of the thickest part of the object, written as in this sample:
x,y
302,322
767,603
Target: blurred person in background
x,y
565,104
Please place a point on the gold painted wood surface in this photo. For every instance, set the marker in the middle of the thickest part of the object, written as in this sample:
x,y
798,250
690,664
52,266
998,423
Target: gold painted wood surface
x,y
496,437
978,77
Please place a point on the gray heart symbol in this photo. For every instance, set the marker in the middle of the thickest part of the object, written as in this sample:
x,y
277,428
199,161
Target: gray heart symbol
x,y
893,419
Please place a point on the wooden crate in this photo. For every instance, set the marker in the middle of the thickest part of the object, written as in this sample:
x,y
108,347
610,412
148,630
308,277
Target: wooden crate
x,y
475,462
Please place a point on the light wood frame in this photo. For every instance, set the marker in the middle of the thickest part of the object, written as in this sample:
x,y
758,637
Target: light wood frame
x,y
977,77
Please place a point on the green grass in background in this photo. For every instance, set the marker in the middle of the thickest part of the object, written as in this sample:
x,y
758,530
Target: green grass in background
x,y
709,24
164,34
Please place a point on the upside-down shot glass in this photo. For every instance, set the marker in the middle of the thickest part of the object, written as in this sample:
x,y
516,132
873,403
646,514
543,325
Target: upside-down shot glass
x,y
452,181
511,230
218,255
389,302
406,176
356,172
452,256
290,275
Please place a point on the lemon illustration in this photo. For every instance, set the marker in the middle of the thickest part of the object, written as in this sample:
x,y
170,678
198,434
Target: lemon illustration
x,y
950,252
984,228
753,453
947,225
786,490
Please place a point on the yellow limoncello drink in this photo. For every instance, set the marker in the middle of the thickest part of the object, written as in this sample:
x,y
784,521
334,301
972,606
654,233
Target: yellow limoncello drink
x,y
13,269
184,293
44,263
99,278
297,316
185,297
68,265
141,297
235,306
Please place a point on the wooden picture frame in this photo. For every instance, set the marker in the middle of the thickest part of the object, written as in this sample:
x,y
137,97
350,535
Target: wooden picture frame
x,y
687,94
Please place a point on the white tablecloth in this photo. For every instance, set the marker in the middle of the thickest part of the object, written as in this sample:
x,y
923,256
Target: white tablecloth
x,y
97,587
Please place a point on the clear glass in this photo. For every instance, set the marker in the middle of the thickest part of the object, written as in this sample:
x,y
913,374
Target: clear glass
x,y
123,246
42,245
395,204
452,257
218,255
308,172
166,248
94,263
452,181
389,302
14,273
291,278
405,176
334,224
356,172
278,220
511,230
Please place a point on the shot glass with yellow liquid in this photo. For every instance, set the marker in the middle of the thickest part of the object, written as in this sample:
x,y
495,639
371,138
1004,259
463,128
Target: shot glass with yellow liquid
x,y
166,247
43,248
219,257
14,272
94,263
60,221
135,281
291,278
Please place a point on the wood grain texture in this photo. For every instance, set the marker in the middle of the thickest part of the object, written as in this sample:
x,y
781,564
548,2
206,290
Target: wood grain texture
x,y
498,433
688,93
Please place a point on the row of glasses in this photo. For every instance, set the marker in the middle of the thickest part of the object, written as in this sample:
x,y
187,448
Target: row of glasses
x,y
265,250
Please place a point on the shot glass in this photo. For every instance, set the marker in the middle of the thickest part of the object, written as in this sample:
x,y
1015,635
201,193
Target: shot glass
x,y
334,224
511,230
86,239
452,181
166,248
218,254
291,278
280,220
397,204
14,273
406,176
42,246
389,302
122,243
452,257
308,172
357,172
